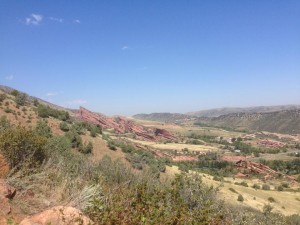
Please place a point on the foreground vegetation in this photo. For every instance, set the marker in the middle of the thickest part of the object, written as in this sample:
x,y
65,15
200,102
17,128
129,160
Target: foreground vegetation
x,y
110,192
56,168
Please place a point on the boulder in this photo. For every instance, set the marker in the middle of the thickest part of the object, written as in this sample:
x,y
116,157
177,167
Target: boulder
x,y
59,215
6,193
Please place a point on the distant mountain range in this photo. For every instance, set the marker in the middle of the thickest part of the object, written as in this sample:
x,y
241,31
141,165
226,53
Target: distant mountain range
x,y
284,121
229,110
163,117
279,119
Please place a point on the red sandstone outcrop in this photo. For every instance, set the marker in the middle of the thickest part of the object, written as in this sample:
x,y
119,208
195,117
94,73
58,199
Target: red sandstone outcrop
x,y
59,215
122,125
248,166
271,143
6,193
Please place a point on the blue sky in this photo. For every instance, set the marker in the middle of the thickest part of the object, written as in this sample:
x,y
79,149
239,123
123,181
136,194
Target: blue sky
x,y
127,57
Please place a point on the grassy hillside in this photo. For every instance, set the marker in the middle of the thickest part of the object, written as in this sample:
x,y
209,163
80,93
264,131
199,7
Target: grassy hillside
x,y
55,159
163,117
286,122
230,110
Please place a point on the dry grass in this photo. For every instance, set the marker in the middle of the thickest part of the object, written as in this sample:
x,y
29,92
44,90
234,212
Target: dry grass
x,y
175,146
286,201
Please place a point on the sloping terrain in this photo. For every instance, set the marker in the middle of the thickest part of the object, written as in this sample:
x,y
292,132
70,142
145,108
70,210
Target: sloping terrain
x,y
230,110
163,117
286,122
122,125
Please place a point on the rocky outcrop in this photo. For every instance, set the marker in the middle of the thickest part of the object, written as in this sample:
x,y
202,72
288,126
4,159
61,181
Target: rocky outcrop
x,y
248,166
7,193
271,144
59,215
122,125
164,133
4,167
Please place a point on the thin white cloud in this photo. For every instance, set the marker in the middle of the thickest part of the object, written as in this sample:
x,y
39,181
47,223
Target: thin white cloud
x,y
77,21
34,19
10,77
77,102
59,20
125,47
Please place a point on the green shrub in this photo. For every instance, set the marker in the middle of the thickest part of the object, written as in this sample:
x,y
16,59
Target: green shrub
x,y
74,138
111,145
240,198
43,129
244,183
271,199
46,111
35,102
285,185
58,146
233,190
64,126
280,188
8,110
217,178
4,124
256,186
266,187
86,148
20,146
21,99
94,130
2,97
78,127
15,93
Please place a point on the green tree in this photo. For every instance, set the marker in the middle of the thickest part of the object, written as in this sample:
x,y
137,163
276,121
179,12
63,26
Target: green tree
x,y
15,93
43,129
2,97
4,124
21,146
240,198
21,99
64,126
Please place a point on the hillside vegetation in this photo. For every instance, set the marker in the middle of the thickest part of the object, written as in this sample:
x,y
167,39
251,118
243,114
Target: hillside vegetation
x,y
230,110
56,159
286,122
163,117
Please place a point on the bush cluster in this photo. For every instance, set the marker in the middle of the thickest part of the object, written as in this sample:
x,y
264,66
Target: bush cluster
x,y
46,111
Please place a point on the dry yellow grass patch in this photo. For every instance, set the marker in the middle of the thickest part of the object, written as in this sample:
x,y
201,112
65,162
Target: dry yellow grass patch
x,y
100,149
175,146
286,202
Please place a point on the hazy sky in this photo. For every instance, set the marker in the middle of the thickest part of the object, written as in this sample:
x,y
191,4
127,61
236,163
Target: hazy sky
x,y
127,57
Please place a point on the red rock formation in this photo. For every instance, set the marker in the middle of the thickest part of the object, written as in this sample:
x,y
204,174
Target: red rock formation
x,y
248,166
122,125
271,144
164,133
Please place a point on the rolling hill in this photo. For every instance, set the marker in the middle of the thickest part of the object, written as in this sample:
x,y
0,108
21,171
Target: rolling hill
x,y
285,121
163,117
230,110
